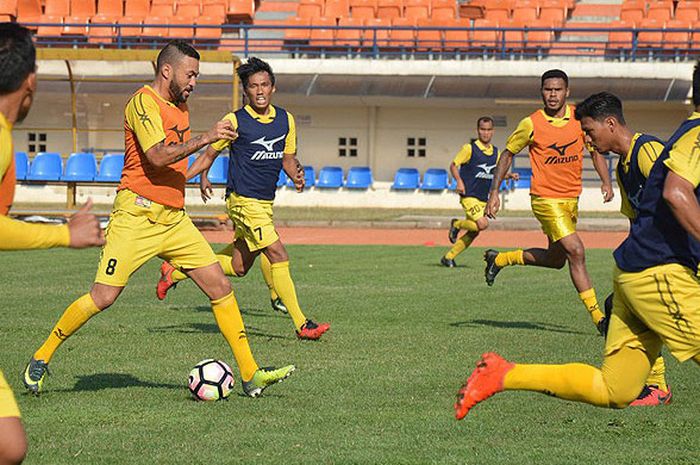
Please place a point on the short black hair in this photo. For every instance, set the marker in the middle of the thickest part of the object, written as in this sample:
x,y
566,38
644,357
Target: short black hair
x,y
696,84
175,49
600,106
555,73
252,66
484,119
17,56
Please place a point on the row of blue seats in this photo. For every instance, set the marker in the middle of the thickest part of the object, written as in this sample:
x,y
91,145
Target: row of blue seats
x,y
82,167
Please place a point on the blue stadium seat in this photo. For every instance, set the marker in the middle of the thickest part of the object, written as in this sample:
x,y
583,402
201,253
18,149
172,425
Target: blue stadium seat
x,y
191,160
359,177
111,168
282,180
46,166
434,179
524,181
218,173
330,177
21,165
453,184
80,167
406,179
309,177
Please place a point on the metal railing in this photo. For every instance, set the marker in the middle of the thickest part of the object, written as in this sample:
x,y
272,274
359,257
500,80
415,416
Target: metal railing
x,y
627,44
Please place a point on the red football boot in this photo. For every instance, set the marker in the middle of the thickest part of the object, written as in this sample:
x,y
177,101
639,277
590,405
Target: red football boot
x,y
485,381
166,280
312,331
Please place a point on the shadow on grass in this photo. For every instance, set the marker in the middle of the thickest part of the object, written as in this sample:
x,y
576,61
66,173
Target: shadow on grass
x,y
208,328
516,325
101,381
256,312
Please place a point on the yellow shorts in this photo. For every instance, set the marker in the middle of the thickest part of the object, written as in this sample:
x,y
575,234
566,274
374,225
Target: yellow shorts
x,y
135,234
658,305
253,221
473,208
8,406
558,217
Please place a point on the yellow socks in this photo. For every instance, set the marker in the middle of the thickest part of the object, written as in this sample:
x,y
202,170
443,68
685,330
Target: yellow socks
x,y
657,375
266,270
591,303
228,317
462,244
467,225
573,381
285,288
75,316
514,257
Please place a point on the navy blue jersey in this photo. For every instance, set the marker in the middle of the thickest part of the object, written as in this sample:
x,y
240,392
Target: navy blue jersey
x,y
477,173
656,237
256,155
633,180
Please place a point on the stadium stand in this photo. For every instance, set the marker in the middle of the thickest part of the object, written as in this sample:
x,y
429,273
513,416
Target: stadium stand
x,y
505,29
282,180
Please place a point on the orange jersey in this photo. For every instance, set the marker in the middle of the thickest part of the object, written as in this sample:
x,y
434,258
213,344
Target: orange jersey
x,y
556,157
150,119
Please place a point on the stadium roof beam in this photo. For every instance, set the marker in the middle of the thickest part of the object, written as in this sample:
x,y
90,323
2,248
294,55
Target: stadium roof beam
x,y
89,65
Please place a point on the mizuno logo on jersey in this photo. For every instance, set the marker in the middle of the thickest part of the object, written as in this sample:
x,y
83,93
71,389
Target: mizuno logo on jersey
x,y
268,144
486,173
263,155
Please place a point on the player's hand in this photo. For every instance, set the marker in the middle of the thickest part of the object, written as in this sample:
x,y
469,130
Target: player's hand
x,y
299,180
514,176
608,192
222,130
492,205
84,228
205,189
460,189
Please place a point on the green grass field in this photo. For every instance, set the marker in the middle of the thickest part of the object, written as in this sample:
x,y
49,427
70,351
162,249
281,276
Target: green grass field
x,y
378,388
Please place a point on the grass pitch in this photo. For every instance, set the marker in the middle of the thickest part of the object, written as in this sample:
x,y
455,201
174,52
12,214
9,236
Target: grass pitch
x,y
378,388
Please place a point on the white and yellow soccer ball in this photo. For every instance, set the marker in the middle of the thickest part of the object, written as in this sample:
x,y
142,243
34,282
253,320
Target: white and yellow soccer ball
x,y
211,380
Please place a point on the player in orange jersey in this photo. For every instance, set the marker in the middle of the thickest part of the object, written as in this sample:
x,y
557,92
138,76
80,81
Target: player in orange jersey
x,y
148,218
556,143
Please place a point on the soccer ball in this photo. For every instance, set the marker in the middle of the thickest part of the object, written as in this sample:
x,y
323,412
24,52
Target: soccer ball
x,y
211,380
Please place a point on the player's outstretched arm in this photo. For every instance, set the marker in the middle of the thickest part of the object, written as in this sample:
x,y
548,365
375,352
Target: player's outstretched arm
x,y
163,155
494,202
202,163
679,194
461,188
294,170
82,230
601,167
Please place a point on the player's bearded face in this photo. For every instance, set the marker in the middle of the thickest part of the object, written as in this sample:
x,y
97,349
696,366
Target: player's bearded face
x,y
184,80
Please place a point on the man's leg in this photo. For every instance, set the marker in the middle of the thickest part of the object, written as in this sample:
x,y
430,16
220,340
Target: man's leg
x,y
551,257
13,441
282,279
100,297
576,256
217,287
615,385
